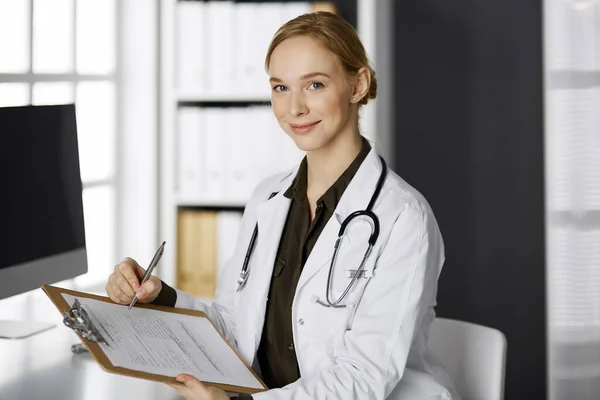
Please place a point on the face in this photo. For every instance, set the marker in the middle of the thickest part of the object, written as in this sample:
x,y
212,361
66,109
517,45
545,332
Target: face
x,y
310,93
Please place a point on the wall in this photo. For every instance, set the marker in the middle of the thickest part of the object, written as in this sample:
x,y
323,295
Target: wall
x,y
469,135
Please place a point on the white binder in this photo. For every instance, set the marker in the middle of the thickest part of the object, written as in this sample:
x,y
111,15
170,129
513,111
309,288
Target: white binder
x,y
215,125
221,48
189,154
191,48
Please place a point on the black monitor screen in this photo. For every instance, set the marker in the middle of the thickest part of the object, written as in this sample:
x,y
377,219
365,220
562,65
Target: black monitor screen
x,y
41,211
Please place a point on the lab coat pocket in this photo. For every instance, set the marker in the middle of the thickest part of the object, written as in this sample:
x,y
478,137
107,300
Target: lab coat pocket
x,y
340,319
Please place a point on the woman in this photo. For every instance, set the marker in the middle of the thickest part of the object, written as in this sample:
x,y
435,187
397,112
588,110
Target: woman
x,y
302,346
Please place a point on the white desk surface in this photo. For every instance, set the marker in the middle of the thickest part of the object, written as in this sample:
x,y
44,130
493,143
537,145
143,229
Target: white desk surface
x,y
43,366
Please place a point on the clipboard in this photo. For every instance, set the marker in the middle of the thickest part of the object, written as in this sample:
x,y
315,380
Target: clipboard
x,y
89,337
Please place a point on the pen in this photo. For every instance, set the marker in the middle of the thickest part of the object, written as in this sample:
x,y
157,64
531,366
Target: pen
x,y
153,263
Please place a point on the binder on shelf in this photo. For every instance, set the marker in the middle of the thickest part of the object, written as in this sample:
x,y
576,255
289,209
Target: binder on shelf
x,y
190,163
323,6
221,47
240,145
213,152
104,330
197,252
249,69
270,17
191,47
223,153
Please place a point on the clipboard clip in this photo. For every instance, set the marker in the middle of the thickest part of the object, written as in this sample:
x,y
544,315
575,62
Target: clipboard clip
x,y
79,321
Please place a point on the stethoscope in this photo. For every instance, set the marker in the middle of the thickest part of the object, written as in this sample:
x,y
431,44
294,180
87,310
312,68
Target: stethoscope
x,y
373,221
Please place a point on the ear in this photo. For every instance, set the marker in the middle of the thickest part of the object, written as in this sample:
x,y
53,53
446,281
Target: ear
x,y
362,82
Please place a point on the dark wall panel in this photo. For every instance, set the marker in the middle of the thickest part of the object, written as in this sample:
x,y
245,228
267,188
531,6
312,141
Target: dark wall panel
x,y
469,135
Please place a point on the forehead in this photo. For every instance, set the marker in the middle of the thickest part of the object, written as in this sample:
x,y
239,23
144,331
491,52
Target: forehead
x,y
302,55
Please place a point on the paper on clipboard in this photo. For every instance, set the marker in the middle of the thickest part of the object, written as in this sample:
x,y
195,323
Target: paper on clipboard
x,y
165,343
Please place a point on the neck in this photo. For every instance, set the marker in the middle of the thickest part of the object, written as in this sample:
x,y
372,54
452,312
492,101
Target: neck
x,y
326,164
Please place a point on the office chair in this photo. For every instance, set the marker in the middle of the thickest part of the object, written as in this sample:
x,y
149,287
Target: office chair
x,y
474,356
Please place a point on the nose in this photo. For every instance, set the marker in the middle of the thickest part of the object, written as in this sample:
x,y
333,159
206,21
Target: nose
x,y
297,106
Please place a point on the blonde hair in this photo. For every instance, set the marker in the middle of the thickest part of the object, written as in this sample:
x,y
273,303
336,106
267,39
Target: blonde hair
x,y
337,35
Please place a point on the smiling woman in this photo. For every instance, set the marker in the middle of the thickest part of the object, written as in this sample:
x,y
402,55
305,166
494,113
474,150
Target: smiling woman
x,y
324,71
339,227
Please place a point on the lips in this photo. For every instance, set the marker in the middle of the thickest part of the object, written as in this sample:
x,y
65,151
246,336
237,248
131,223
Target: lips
x,y
303,128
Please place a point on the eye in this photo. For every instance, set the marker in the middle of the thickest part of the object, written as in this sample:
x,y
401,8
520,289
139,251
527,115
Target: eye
x,y
316,85
279,88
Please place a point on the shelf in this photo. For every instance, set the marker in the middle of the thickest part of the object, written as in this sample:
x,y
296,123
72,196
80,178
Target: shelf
x,y
223,103
184,201
222,100
182,96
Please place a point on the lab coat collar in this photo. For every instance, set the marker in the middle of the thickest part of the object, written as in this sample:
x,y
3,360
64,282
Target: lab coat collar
x,y
360,190
271,215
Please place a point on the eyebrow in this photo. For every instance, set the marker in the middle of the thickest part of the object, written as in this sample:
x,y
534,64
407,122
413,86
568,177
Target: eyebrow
x,y
303,77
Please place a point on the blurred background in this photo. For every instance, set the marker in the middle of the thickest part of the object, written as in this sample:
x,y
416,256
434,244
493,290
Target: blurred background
x,y
490,109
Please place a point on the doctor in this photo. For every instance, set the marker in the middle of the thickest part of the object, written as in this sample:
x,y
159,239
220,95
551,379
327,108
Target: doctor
x,y
315,325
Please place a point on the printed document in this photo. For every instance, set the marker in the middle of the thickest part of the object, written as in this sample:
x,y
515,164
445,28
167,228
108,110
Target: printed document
x,y
165,343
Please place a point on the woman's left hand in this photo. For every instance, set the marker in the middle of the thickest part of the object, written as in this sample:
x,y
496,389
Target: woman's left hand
x,y
196,390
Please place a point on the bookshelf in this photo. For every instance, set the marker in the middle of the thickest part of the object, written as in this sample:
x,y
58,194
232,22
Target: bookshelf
x,y
201,223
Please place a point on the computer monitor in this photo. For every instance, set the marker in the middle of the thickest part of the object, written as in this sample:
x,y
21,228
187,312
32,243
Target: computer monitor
x,y
42,237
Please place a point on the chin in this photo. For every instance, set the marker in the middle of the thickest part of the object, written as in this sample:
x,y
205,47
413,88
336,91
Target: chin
x,y
307,143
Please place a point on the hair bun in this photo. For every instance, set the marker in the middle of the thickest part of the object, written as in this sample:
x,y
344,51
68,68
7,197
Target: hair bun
x,y
372,93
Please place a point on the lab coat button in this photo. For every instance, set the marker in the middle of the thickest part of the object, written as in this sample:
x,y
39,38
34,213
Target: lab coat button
x,y
301,321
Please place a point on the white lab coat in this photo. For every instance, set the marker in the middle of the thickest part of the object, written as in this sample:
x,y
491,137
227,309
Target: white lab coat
x,y
374,350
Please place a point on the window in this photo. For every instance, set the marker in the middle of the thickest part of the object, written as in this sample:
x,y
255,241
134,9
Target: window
x,y
64,51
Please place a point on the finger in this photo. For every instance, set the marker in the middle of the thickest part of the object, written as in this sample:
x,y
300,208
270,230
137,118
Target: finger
x,y
184,391
139,270
120,296
114,298
148,287
128,268
194,385
110,291
125,287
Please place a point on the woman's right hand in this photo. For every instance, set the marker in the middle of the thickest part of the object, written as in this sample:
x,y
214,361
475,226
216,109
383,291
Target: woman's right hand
x,y
124,283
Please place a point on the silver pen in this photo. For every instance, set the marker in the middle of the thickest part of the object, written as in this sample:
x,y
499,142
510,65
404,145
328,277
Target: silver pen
x,y
153,263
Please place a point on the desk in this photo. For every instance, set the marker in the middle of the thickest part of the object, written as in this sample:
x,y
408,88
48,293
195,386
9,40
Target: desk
x,y
43,367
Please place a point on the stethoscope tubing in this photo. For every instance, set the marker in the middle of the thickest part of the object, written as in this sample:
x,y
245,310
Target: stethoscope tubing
x,y
243,278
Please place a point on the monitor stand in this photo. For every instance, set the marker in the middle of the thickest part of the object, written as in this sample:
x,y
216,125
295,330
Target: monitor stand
x,y
22,329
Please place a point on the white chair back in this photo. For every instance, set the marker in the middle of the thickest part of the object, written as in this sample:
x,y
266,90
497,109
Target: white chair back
x,y
474,356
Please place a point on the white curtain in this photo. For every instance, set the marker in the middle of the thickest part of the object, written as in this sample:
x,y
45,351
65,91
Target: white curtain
x,y
572,151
